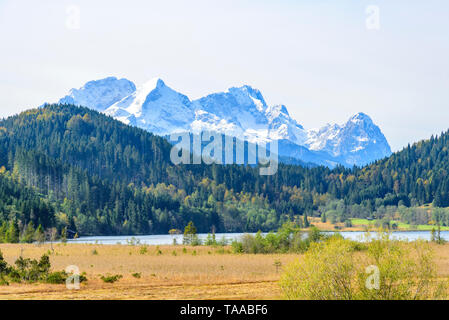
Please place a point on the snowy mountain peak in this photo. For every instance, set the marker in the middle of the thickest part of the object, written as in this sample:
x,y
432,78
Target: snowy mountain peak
x,y
248,96
361,117
138,100
155,107
100,94
284,127
277,111
359,141
241,112
152,84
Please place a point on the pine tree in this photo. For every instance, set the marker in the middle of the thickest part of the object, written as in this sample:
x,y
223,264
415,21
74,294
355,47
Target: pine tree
x,y
438,201
12,234
306,221
28,234
39,235
64,235
323,217
3,264
3,230
189,233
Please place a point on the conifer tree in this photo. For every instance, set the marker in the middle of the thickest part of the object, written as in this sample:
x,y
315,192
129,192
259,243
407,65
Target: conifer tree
x,y
323,217
3,230
64,235
39,235
28,234
306,221
12,234
189,233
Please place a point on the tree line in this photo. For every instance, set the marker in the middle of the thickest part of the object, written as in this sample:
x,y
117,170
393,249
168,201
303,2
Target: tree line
x,y
70,167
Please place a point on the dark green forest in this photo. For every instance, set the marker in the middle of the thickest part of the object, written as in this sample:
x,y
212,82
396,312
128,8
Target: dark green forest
x,y
70,168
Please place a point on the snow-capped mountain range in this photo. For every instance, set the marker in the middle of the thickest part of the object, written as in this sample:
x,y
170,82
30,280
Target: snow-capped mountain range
x,y
239,112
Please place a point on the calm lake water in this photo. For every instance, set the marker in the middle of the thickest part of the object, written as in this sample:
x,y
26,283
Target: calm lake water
x,y
166,239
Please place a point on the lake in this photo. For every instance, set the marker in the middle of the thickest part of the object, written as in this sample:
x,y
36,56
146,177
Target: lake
x,y
166,239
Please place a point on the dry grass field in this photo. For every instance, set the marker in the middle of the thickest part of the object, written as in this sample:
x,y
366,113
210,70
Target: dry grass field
x,y
193,273
172,273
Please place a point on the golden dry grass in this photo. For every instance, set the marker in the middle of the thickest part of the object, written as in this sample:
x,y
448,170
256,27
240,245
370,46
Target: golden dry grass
x,y
210,274
199,273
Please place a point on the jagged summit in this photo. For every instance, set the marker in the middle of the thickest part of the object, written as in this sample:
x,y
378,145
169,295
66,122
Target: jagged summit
x,y
240,111
246,95
277,110
361,117
359,141
155,107
100,94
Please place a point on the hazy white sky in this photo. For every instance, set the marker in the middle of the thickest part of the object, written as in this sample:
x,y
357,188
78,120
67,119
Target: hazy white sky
x,y
315,56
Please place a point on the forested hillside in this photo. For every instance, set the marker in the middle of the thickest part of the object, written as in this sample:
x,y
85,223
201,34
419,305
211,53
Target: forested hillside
x,y
71,167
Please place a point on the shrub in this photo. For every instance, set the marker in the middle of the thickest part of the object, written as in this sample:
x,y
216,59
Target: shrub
x,y
3,281
324,273
58,277
190,235
336,269
237,247
210,240
407,271
137,275
143,250
289,238
3,264
31,270
196,241
111,278
253,244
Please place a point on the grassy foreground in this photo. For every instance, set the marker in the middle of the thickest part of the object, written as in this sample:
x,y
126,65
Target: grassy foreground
x,y
166,272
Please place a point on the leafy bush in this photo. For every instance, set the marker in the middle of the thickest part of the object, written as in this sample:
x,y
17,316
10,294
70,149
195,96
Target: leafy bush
x,y
210,241
325,272
335,269
237,247
31,270
190,235
58,277
3,281
289,238
111,278
143,250
196,241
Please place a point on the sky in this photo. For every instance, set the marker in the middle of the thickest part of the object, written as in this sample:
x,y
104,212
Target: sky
x,y
324,59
